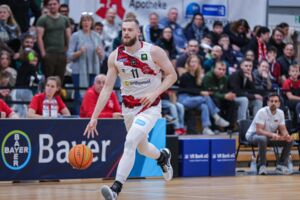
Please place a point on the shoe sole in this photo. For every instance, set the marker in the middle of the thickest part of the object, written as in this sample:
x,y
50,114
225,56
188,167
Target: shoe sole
x,y
107,193
169,164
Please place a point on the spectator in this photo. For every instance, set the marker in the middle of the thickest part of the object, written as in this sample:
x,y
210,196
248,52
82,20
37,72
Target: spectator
x,y
53,33
216,54
216,82
242,84
98,27
262,79
286,60
6,111
276,41
228,53
4,82
64,10
48,103
191,97
153,30
259,43
268,126
86,52
5,60
237,32
196,28
291,87
275,71
167,43
111,29
171,21
191,49
216,32
21,9
112,108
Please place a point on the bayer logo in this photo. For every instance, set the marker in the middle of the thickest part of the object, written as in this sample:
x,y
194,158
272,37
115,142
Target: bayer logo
x,y
16,150
191,9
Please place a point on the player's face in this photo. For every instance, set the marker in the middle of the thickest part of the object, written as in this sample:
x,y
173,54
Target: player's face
x,y
51,88
274,103
130,33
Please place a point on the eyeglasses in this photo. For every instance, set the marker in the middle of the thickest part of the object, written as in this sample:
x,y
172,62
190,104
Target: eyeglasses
x,y
86,14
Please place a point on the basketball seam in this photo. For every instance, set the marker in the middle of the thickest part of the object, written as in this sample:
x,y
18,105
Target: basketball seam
x,y
75,157
82,159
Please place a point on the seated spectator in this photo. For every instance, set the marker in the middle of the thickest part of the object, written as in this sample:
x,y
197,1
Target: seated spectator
x,y
242,84
228,53
5,60
276,41
48,103
250,55
262,79
112,108
191,97
6,111
216,82
152,31
291,87
286,60
196,28
216,32
176,111
167,43
268,126
192,48
216,54
275,70
4,82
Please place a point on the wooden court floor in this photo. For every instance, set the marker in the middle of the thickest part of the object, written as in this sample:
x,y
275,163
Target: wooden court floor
x,y
216,188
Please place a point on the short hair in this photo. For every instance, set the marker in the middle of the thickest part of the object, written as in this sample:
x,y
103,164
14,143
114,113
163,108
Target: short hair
x,y
262,30
293,66
98,24
131,20
273,94
246,60
217,23
64,5
272,49
220,62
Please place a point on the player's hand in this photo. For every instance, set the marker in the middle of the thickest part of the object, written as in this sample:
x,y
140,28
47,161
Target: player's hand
x,y
148,99
90,129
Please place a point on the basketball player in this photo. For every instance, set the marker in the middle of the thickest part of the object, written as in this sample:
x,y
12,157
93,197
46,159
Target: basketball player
x,y
140,66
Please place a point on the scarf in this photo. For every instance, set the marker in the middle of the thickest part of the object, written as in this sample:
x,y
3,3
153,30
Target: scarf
x,y
262,50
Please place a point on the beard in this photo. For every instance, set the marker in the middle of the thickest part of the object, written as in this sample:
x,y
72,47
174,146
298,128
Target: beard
x,y
130,42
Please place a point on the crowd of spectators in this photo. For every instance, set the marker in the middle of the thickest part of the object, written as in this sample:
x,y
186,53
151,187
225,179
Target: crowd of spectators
x,y
225,72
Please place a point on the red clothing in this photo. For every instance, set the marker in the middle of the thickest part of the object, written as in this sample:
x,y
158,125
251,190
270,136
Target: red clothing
x,y
90,100
289,85
37,103
5,108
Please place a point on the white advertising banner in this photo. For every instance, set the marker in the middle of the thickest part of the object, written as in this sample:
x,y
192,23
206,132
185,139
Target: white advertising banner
x,y
254,11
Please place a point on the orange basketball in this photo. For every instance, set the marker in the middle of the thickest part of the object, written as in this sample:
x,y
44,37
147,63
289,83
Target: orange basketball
x,y
80,156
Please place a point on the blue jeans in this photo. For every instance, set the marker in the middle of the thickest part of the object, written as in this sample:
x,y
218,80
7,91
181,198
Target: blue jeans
x,y
201,103
176,111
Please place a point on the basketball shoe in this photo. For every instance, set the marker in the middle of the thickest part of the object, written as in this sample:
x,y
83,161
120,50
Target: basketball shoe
x,y
108,193
165,164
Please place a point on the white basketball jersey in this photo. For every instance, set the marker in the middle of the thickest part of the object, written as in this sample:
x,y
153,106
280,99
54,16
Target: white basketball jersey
x,y
139,75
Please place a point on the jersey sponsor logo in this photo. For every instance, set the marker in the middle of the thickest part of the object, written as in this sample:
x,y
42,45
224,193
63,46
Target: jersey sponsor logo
x,y
138,83
144,56
140,122
16,150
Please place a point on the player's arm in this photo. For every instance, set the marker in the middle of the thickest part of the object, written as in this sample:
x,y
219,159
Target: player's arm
x,y
104,95
161,59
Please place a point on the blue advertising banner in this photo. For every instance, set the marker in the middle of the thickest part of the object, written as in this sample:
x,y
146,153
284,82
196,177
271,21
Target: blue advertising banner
x,y
222,157
38,149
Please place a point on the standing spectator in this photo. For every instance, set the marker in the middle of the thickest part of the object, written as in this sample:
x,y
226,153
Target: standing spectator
x,y
167,43
276,41
216,82
286,60
21,9
153,30
53,32
242,84
64,10
48,103
86,52
268,126
192,98
98,27
171,21
196,28
112,108
111,29
6,111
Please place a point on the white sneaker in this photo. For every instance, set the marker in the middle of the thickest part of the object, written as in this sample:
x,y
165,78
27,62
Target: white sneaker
x,y
108,193
221,122
166,165
262,170
207,131
282,170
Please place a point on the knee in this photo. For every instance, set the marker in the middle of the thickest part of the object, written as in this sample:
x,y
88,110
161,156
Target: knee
x,y
129,146
142,149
